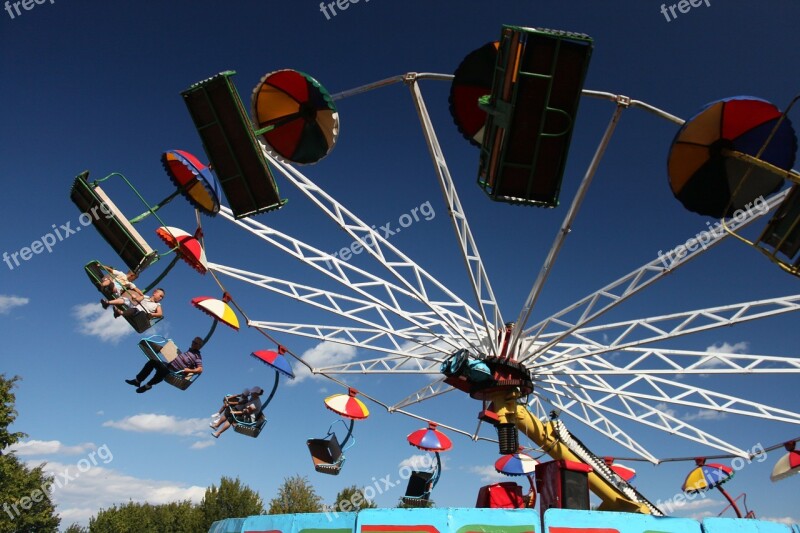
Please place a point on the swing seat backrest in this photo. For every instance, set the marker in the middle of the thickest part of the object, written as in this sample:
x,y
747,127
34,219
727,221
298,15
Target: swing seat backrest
x,y
327,454
419,484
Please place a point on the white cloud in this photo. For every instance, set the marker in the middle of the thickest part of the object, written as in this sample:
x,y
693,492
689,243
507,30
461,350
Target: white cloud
x,y
788,520
420,461
704,414
488,474
7,303
95,321
739,347
323,354
166,424
49,447
664,408
199,445
104,487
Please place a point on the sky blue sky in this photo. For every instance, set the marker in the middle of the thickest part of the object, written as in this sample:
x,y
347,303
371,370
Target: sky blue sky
x,y
95,86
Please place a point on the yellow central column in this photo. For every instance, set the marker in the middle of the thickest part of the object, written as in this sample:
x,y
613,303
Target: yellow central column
x,y
510,412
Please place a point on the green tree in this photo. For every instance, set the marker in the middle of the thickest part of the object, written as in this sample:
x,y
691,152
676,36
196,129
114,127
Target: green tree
x,y
231,500
133,517
75,528
7,412
24,492
351,499
296,495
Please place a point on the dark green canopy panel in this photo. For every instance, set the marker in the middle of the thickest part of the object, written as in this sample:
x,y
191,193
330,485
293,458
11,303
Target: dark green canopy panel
x,y
234,154
538,79
112,224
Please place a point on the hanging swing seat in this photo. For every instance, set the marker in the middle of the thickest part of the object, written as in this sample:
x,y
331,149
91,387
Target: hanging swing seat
x,y
327,454
504,495
418,491
531,112
233,151
164,351
250,425
783,231
141,322
112,225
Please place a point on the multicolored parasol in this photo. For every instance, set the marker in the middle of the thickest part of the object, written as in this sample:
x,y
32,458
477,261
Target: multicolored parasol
x,y
275,360
186,246
472,80
706,477
295,116
347,405
193,179
709,476
217,309
279,363
788,465
704,173
516,464
430,439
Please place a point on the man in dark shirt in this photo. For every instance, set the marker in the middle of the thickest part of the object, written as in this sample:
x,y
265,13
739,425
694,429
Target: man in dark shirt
x,y
187,363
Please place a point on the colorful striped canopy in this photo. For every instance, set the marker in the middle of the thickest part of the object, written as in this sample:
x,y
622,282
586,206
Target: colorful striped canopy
x,y
472,80
704,176
516,464
347,405
193,179
276,361
707,476
295,116
217,309
430,439
625,472
788,465
187,247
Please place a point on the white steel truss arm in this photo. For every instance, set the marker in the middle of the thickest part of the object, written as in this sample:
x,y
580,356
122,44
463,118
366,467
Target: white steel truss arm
x,y
417,280
374,339
635,410
370,286
386,365
345,306
661,391
661,361
431,390
566,227
479,280
592,306
596,420
646,330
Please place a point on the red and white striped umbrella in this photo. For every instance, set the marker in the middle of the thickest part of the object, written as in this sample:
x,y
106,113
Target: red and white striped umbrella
x,y
347,405
217,309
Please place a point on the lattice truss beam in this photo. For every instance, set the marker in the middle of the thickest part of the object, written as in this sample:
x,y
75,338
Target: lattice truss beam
x,y
426,288
589,308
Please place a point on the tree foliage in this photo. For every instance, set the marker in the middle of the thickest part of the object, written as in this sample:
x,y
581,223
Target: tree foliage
x,y
25,503
296,495
231,500
132,517
351,499
7,412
